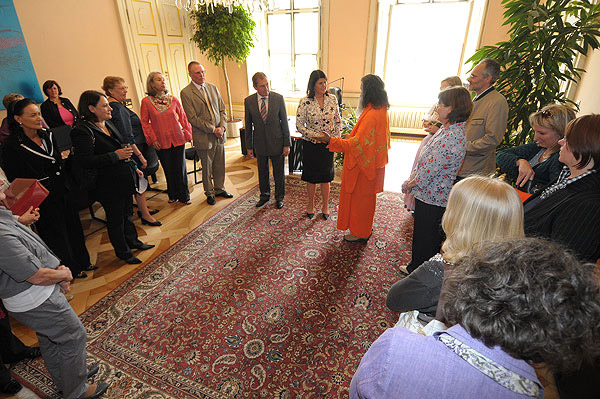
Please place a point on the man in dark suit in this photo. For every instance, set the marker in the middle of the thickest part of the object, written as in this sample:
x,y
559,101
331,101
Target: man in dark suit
x,y
205,110
267,136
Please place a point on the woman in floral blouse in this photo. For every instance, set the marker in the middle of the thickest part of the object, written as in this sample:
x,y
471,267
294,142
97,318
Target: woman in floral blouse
x,y
166,127
436,171
318,115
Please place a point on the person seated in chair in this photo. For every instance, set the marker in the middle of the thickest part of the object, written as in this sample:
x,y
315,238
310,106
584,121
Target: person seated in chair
x,y
509,304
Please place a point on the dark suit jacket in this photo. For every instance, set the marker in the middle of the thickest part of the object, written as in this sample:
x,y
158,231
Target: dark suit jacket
x,y
115,177
52,115
266,137
570,216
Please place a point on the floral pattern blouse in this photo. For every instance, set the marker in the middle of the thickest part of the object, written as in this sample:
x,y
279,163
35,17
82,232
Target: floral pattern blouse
x,y
312,120
439,163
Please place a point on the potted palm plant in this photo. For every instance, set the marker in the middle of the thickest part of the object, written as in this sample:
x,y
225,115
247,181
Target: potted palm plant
x,y
224,33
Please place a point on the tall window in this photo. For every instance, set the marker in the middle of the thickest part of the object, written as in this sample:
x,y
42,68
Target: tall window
x,y
421,42
288,41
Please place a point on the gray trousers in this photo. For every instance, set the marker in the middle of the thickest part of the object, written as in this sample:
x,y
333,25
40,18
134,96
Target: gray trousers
x,y
62,340
213,167
262,162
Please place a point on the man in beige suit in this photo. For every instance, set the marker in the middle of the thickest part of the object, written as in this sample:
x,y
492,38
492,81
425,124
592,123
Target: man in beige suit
x,y
487,124
205,110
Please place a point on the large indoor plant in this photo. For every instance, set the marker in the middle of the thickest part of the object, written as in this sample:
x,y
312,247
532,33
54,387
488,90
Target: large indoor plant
x,y
223,35
546,36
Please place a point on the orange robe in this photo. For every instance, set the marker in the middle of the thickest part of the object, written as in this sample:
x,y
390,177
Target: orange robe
x,y
366,154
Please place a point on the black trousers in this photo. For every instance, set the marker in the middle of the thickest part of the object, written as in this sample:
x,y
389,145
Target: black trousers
x,y
173,164
12,349
121,230
263,176
427,234
60,228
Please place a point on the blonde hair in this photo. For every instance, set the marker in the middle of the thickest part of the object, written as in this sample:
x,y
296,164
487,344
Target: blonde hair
x,y
452,81
110,82
150,90
553,116
11,98
480,209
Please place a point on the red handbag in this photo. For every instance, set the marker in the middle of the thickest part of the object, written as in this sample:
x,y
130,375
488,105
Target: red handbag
x,y
24,193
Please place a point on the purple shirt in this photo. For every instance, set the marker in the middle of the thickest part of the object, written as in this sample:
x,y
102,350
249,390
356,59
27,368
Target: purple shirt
x,y
403,364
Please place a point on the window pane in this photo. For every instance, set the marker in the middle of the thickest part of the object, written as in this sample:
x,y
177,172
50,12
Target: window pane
x,y
415,67
281,5
306,4
280,39
306,26
281,72
305,64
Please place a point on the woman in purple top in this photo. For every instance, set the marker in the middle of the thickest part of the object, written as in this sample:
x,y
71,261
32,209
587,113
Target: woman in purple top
x,y
436,171
510,304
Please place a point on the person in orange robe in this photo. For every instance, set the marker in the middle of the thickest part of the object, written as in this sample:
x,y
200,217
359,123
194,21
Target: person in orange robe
x,y
366,154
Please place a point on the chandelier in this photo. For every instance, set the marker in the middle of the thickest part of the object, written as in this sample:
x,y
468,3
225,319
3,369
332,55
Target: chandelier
x,y
250,5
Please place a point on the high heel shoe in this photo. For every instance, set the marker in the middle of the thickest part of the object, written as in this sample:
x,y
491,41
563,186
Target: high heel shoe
x,y
310,215
325,216
151,212
149,223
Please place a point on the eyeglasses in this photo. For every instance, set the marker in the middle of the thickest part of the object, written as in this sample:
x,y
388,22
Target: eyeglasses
x,y
546,114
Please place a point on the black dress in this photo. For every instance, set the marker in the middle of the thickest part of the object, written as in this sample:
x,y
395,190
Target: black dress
x,y
59,224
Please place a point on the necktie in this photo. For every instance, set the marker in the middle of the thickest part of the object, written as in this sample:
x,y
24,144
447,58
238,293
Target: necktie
x,y
263,109
206,97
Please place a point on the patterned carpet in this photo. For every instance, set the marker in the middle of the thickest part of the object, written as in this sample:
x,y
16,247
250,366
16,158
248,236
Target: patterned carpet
x,y
255,303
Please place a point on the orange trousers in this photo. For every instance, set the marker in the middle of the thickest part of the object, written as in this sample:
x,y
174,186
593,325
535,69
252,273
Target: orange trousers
x,y
357,208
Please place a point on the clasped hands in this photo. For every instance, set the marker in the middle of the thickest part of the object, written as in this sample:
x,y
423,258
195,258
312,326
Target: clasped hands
x,y
408,185
219,132
65,285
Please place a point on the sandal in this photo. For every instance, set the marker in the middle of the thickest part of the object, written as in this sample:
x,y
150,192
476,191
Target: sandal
x,y
172,201
81,274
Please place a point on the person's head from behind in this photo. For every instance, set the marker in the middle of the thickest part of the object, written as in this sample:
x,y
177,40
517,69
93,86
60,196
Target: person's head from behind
x,y
580,148
454,105
93,106
261,84
372,91
549,125
317,84
24,115
11,98
480,209
450,81
530,297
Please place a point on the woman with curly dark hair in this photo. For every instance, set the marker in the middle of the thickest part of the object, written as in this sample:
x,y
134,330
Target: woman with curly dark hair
x,y
509,304
366,150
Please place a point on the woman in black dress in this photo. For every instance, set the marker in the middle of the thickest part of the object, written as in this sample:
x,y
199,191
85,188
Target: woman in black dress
x,y
318,114
31,152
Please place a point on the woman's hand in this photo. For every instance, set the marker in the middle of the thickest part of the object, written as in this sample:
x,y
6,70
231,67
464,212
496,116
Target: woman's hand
x,y
139,172
124,153
29,217
407,186
430,127
143,161
156,145
526,172
65,154
321,139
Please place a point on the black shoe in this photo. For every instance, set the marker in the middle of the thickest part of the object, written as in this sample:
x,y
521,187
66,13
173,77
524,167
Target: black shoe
x,y
11,387
325,216
149,223
152,212
310,215
142,246
279,204
211,200
225,194
261,202
132,260
101,389
93,370
89,268
80,275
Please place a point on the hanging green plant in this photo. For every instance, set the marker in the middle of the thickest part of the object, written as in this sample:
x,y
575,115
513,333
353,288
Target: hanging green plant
x,y
221,34
546,36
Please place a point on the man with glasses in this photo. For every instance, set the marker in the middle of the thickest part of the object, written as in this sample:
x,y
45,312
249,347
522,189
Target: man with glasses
x,y
487,124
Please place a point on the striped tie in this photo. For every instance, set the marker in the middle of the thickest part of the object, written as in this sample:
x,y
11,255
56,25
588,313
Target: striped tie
x,y
263,109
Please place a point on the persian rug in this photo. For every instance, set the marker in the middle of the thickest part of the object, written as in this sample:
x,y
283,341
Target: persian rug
x,y
254,303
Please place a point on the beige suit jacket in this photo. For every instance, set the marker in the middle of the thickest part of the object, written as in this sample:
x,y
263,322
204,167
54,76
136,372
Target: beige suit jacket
x,y
198,113
485,130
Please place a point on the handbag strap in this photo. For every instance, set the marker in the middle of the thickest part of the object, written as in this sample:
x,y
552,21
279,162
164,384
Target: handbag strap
x,y
503,376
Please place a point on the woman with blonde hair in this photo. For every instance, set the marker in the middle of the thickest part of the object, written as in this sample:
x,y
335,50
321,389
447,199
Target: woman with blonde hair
x,y
479,209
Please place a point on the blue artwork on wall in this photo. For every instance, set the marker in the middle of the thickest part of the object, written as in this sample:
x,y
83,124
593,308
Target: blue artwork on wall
x,y
16,70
